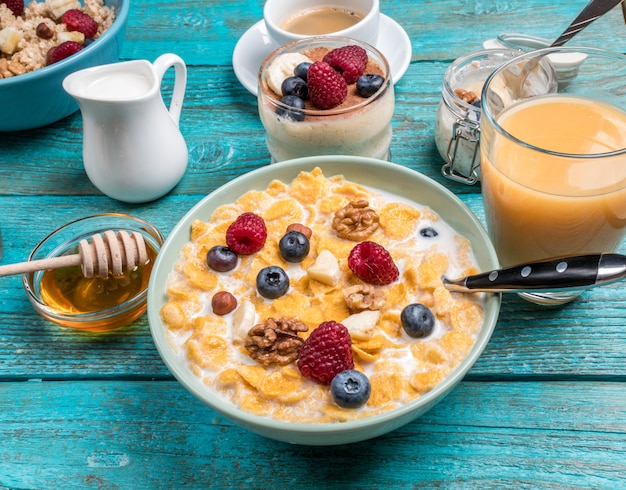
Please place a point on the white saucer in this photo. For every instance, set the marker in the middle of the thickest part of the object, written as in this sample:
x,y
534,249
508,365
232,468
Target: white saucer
x,y
255,44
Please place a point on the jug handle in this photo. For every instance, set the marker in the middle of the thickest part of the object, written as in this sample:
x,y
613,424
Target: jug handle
x,y
161,65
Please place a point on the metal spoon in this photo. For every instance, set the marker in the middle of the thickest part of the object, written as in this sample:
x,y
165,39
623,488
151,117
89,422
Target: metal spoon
x,y
592,11
516,80
558,274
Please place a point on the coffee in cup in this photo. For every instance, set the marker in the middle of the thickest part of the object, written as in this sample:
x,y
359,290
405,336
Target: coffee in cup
x,y
298,19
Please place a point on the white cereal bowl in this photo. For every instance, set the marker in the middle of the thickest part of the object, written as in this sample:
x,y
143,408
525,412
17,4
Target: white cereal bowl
x,y
369,172
36,99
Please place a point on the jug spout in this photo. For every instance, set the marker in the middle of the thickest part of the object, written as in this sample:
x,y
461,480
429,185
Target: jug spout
x,y
117,82
133,149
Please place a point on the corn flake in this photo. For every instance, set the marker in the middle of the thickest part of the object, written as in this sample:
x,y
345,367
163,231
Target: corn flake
x,y
426,381
399,220
466,316
431,269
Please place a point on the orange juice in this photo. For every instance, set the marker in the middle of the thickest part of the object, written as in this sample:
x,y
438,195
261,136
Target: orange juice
x,y
563,195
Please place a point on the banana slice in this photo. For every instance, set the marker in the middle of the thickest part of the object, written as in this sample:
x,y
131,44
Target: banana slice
x,y
282,67
77,37
325,269
361,325
58,7
244,319
9,39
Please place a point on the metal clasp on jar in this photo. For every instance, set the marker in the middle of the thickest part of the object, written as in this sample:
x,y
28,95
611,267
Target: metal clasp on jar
x,y
463,156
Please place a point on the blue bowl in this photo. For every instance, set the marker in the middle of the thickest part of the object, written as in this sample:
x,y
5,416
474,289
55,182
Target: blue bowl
x,y
37,98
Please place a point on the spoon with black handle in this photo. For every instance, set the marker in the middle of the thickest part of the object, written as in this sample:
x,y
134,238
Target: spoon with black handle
x,y
557,274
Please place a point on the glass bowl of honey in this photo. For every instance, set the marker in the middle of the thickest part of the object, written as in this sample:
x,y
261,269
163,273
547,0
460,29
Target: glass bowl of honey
x,y
97,304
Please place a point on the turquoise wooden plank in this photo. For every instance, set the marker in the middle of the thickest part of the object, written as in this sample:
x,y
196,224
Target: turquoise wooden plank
x,y
205,34
529,340
225,138
155,435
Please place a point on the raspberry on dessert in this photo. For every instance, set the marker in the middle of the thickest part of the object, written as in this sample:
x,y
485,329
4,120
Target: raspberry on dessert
x,y
326,353
327,88
75,20
62,51
350,61
373,264
246,235
15,6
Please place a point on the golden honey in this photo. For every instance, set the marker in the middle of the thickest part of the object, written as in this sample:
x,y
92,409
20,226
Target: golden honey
x,y
68,292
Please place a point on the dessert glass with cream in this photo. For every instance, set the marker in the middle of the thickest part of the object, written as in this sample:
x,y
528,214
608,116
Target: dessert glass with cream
x,y
359,126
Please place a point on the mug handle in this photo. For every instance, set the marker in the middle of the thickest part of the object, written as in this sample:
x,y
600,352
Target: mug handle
x,y
161,65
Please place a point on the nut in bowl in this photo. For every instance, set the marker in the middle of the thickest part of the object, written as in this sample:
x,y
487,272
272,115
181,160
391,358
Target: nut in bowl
x,y
31,93
68,297
295,280
326,96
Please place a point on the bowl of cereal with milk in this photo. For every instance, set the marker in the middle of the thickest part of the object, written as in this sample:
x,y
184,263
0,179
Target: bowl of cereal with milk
x,y
43,41
304,302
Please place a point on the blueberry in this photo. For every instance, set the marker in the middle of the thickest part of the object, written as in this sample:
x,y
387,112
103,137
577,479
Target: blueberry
x,y
350,389
294,246
291,108
368,84
272,282
429,232
221,258
302,70
418,320
295,86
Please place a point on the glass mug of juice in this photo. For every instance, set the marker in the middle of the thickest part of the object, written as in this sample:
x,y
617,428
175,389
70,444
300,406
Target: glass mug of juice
x,y
553,158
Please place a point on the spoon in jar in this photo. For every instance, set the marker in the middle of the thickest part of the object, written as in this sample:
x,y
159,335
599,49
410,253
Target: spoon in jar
x,y
557,274
592,11
107,253
523,81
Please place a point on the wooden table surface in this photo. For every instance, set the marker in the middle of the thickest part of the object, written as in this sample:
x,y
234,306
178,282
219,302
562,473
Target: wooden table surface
x,y
544,407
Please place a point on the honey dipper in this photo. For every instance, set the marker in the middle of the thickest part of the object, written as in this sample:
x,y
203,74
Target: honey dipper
x,y
106,252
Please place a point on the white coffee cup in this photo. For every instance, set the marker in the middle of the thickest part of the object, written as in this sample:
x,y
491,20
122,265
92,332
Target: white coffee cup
x,y
276,12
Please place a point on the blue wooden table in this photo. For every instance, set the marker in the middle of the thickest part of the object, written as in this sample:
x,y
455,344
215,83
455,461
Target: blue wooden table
x,y
545,406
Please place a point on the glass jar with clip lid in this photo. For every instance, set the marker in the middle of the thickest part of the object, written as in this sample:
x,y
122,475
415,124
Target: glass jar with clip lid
x,y
457,127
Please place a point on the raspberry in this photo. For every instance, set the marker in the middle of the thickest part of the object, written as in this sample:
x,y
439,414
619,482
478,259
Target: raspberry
x,y
15,6
350,61
246,235
371,263
75,20
327,88
326,353
62,51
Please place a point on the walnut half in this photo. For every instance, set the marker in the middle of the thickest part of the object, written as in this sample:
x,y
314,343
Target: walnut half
x,y
356,221
363,297
275,341
466,95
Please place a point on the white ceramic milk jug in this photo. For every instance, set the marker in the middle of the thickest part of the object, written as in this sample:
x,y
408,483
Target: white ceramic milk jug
x,y
133,149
